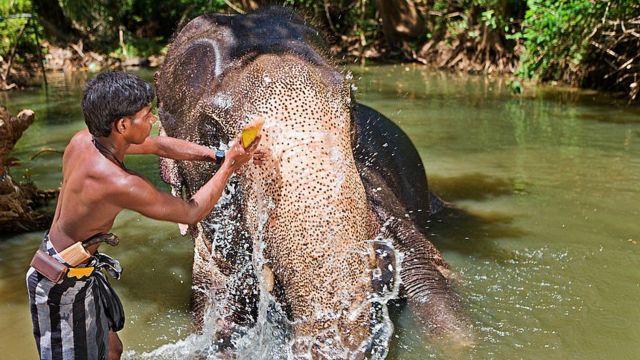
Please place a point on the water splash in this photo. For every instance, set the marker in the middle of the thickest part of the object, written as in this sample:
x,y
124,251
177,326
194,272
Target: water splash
x,y
272,336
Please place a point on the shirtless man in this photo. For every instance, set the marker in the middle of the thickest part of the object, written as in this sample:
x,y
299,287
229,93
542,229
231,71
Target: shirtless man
x,y
78,317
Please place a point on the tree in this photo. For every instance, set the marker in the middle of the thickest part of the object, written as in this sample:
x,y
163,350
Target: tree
x,y
57,26
401,22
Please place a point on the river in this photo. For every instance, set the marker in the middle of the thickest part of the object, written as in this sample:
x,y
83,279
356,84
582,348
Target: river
x,y
547,251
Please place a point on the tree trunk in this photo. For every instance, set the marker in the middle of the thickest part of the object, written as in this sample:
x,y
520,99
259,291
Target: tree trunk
x,y
11,128
54,22
400,21
19,203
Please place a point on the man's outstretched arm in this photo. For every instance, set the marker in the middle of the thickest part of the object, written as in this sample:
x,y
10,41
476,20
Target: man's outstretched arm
x,y
136,193
148,201
172,148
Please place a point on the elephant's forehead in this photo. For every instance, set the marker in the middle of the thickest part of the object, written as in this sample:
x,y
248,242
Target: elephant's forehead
x,y
284,89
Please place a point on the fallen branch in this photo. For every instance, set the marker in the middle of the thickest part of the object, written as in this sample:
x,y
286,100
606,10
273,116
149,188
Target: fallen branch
x,y
45,151
608,51
21,204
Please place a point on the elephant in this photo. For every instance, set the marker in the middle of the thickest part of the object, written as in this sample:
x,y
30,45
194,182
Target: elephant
x,y
333,224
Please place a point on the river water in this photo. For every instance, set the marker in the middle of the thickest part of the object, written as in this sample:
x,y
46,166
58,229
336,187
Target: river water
x,y
547,245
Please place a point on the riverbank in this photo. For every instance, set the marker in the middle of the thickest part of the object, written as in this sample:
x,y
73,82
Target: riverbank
x,y
69,59
72,59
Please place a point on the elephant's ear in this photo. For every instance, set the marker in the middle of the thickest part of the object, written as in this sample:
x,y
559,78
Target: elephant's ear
x,y
191,71
200,65
170,173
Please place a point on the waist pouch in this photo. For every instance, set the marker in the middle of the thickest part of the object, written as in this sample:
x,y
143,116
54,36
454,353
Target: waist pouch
x,y
49,267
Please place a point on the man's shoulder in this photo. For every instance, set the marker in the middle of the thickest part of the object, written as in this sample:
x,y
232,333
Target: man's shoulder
x,y
78,142
95,174
81,136
112,184
85,161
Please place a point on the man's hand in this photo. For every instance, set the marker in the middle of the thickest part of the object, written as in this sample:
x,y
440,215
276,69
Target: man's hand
x,y
260,156
237,155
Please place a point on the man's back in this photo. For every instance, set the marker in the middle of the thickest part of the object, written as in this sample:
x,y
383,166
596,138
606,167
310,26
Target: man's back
x,y
84,207
74,310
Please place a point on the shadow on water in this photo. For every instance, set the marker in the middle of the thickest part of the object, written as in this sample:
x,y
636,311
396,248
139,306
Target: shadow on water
x,y
605,116
473,233
473,186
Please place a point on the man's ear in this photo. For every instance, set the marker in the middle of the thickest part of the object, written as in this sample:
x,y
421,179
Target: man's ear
x,y
121,125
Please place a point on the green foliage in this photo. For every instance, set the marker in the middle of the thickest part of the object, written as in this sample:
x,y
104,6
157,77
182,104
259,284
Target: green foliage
x,y
515,86
8,7
342,17
558,33
556,36
144,23
10,27
501,15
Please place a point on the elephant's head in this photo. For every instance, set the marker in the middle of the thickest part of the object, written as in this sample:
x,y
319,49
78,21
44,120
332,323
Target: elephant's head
x,y
307,204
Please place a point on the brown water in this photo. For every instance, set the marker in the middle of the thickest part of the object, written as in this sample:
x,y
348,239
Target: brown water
x,y
548,251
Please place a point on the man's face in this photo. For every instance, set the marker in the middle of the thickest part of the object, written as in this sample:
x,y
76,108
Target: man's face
x,y
140,125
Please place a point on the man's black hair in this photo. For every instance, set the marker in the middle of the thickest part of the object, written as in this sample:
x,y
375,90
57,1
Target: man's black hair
x,y
110,96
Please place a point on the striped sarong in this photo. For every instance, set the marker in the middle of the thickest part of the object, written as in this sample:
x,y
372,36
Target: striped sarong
x,y
72,319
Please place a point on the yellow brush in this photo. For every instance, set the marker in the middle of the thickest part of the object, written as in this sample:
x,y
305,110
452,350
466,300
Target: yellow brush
x,y
251,131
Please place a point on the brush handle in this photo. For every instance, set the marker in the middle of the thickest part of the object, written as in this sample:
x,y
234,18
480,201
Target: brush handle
x,y
109,238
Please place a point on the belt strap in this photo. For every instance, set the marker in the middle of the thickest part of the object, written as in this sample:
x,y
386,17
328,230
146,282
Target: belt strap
x,y
97,262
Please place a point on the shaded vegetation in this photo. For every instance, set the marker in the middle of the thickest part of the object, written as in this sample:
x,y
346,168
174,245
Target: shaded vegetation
x,y
135,27
585,43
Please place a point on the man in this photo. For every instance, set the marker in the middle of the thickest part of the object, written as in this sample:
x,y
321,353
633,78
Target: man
x,y
78,317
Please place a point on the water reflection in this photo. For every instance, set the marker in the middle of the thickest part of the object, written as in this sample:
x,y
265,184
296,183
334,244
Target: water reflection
x,y
475,186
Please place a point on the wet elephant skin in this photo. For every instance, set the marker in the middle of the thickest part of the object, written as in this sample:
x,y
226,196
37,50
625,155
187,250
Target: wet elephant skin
x,y
328,188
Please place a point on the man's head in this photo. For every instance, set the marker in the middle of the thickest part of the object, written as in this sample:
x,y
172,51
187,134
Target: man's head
x,y
112,96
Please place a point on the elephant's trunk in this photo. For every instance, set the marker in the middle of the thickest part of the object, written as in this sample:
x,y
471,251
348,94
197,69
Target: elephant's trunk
x,y
425,276
318,214
315,239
